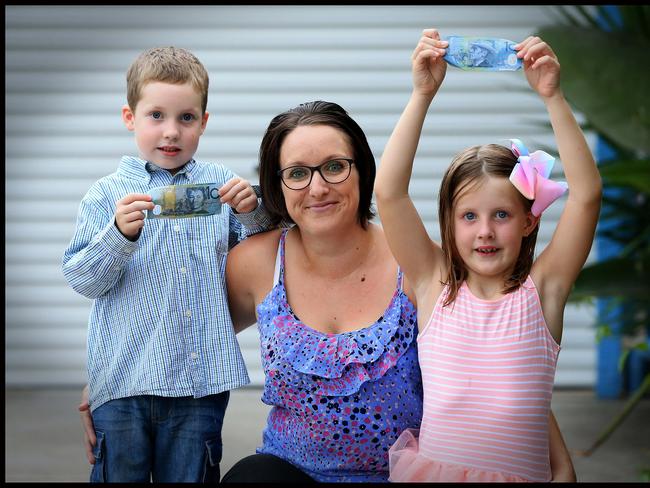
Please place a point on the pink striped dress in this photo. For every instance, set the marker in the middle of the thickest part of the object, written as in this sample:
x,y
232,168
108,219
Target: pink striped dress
x,y
488,369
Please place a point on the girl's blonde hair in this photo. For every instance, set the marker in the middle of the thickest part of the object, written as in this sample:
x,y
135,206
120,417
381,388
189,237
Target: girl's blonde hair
x,y
470,167
168,65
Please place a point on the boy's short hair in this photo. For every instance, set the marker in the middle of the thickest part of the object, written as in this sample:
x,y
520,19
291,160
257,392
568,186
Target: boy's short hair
x,y
168,65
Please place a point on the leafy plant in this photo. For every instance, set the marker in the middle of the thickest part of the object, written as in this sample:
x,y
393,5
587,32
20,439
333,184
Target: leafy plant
x,y
603,70
605,76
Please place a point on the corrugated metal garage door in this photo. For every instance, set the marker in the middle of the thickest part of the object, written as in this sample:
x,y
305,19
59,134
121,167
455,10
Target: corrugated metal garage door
x,y
65,86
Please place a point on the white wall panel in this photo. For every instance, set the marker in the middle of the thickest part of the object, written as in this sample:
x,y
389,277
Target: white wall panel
x,y
65,84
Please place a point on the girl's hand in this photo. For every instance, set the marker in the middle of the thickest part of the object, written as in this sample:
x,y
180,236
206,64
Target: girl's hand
x,y
428,67
566,477
541,66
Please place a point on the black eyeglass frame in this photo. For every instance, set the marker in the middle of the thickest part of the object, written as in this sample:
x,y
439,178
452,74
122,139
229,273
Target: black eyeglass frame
x,y
313,169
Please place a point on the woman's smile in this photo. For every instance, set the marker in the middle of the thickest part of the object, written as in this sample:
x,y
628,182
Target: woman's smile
x,y
322,207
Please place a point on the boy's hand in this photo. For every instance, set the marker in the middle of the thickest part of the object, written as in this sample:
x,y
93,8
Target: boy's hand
x,y
129,214
428,66
87,423
239,194
541,66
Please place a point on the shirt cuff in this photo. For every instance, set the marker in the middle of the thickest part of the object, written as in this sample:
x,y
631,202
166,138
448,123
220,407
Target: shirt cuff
x,y
258,217
115,243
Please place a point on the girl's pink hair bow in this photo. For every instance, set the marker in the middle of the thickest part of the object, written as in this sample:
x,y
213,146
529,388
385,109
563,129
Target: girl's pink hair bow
x,y
531,177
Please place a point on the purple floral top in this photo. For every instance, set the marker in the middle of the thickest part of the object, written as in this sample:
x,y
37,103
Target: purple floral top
x,y
339,400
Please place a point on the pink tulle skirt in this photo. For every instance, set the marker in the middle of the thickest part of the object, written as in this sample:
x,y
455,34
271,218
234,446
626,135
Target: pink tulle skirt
x,y
407,465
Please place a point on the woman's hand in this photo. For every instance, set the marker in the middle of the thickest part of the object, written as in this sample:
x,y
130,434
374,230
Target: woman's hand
x,y
87,423
428,67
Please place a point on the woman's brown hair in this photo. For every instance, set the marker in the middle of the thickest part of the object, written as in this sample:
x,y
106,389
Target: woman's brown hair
x,y
313,113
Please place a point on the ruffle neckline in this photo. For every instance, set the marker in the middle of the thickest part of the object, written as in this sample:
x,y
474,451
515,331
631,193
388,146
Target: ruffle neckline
x,y
340,363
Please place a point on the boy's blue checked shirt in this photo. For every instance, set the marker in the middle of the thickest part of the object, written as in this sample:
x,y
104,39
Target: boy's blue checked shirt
x,y
159,323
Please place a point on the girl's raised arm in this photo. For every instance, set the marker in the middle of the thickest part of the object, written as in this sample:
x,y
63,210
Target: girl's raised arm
x,y
405,232
560,263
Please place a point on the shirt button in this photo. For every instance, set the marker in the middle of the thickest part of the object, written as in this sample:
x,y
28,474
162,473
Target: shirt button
x,y
188,313
183,270
177,228
194,355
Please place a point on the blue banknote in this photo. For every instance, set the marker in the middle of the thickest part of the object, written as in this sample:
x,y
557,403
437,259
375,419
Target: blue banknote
x,y
482,53
184,201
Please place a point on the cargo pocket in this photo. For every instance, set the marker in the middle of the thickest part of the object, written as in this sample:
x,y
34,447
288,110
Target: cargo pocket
x,y
213,453
98,473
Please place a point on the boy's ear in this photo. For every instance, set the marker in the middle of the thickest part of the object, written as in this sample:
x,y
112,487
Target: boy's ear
x,y
128,117
204,121
531,223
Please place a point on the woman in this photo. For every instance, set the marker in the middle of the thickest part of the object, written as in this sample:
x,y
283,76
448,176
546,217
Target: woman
x,y
336,319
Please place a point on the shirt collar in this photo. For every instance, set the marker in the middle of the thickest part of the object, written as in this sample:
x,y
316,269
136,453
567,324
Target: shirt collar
x,y
137,168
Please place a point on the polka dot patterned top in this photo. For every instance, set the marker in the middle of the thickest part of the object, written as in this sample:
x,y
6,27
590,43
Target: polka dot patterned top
x,y
339,400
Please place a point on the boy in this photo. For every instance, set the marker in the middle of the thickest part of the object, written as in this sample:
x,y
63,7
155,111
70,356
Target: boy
x,y
162,353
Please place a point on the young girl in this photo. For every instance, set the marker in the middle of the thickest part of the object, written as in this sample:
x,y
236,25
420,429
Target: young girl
x,y
490,319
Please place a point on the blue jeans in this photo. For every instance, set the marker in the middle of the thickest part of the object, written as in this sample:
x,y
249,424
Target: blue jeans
x,y
160,439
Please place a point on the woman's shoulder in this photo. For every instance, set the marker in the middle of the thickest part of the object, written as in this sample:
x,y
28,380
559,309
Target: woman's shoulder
x,y
251,263
258,246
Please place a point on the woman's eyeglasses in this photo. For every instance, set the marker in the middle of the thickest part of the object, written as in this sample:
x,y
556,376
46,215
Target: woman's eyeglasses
x,y
333,171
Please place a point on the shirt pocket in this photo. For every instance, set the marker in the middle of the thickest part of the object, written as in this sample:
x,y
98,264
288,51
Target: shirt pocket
x,y
210,234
